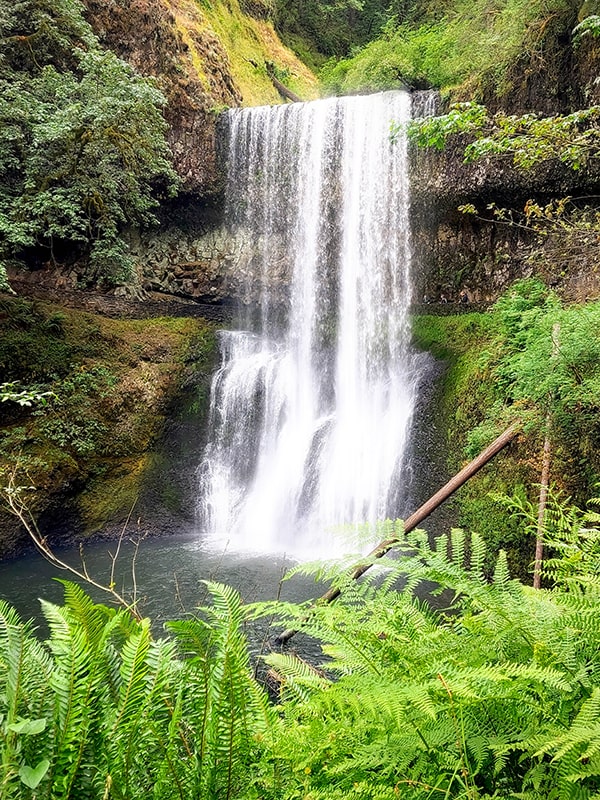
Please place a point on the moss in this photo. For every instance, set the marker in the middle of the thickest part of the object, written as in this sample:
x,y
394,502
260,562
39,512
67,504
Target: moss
x,y
113,384
248,43
467,393
462,342
112,496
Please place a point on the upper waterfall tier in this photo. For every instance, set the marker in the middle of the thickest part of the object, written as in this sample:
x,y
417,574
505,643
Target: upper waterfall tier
x,y
311,407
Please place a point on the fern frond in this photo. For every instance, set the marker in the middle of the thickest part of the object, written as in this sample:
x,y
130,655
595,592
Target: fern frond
x,y
71,684
297,678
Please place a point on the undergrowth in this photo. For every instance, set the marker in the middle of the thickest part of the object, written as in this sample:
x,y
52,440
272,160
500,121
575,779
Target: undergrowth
x,y
470,43
498,367
436,678
106,386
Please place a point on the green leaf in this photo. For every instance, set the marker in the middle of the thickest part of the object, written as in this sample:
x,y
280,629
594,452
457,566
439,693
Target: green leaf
x,y
31,776
28,726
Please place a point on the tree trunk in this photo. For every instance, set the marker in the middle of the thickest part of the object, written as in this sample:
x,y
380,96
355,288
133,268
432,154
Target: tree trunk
x,y
545,477
283,90
544,480
421,513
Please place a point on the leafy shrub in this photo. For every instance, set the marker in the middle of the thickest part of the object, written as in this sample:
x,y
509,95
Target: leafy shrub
x,y
82,144
573,139
67,419
475,42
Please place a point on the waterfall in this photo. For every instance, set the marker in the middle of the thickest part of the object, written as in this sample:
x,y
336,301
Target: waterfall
x,y
311,408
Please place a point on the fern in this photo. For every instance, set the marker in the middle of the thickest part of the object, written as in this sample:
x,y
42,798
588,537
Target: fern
x,y
492,693
222,701
296,678
487,697
25,670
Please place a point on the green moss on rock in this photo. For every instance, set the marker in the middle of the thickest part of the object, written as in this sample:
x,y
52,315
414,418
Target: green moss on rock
x,y
465,399
113,382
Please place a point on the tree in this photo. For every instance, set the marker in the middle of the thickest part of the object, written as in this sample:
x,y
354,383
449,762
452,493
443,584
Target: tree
x,y
530,139
332,27
82,147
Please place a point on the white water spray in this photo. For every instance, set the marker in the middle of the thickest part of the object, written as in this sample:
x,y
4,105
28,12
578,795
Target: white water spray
x,y
310,410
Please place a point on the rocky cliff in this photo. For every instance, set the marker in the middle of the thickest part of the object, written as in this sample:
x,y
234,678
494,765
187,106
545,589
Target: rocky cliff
x,y
205,57
484,251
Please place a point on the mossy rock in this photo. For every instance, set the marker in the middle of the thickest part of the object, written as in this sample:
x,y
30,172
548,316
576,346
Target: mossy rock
x,y
113,383
466,396
113,496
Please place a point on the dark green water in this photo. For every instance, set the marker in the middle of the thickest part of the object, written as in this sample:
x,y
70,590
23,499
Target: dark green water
x,y
168,574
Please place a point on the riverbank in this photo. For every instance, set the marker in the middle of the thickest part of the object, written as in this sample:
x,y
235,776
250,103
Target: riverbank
x,y
90,448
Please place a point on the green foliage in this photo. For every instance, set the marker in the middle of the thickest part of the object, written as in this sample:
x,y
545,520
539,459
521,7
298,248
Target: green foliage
x,y
33,347
491,695
330,27
378,67
590,26
102,709
69,422
223,707
549,362
488,689
501,366
14,393
475,43
573,139
82,144
4,284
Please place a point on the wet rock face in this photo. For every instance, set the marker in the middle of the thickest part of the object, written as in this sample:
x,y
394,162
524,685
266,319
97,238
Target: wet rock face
x,y
194,255
588,67
152,37
456,252
189,256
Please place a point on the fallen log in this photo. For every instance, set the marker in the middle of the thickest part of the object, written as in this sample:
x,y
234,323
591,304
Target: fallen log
x,y
420,514
283,90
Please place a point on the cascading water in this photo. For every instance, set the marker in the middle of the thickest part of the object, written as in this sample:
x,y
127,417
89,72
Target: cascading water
x,y
310,410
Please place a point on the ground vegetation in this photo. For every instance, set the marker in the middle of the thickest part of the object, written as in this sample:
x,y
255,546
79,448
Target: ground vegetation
x,y
472,50
85,400
488,689
530,358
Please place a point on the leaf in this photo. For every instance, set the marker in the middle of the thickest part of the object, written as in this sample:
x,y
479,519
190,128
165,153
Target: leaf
x,y
31,776
28,726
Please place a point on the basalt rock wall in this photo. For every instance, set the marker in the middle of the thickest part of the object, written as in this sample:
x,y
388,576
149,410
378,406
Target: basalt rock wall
x,y
481,253
150,35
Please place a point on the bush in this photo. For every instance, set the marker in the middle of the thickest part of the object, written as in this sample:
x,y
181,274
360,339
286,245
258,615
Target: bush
x,y
82,147
474,42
